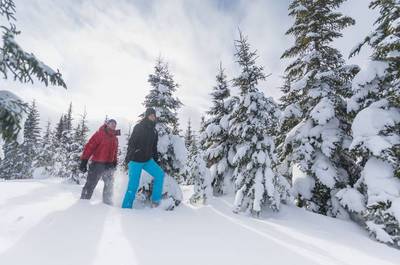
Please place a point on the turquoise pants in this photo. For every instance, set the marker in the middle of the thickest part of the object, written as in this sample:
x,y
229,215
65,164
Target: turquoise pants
x,y
134,172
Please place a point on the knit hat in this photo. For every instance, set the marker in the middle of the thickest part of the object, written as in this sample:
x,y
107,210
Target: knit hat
x,y
149,111
110,121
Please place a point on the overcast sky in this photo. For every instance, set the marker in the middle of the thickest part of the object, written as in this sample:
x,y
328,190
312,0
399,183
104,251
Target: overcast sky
x,y
106,49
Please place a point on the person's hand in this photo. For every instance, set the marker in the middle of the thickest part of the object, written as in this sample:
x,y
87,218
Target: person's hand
x,y
114,164
83,165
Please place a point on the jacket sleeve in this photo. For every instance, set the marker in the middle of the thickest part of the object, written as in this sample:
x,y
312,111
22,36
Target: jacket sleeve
x,y
155,152
116,152
91,146
131,143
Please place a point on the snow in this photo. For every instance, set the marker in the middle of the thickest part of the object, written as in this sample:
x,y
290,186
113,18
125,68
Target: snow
x,y
224,122
163,143
291,111
40,173
213,129
241,152
380,180
390,40
302,183
300,84
395,208
368,124
373,68
324,170
179,148
323,111
379,232
43,223
352,199
395,23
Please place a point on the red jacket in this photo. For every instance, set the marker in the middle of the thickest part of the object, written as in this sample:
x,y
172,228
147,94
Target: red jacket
x,y
102,146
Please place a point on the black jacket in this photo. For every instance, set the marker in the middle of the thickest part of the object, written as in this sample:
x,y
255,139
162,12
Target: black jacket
x,y
142,145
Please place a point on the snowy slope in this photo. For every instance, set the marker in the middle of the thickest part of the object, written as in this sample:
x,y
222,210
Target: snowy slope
x,y
43,223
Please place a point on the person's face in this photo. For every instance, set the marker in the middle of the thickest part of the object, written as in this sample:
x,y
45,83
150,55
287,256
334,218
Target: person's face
x,y
112,125
152,117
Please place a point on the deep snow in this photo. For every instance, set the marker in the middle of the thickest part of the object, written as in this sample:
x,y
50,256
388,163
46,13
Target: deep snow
x,y
42,222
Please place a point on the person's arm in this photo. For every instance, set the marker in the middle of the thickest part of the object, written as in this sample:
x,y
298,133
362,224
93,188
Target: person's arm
x,y
131,143
115,160
155,152
91,146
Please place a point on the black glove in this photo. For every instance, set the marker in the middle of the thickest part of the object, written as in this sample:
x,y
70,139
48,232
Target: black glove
x,y
114,164
83,165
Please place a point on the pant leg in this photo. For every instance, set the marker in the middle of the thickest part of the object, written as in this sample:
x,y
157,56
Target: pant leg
x,y
108,190
155,170
134,171
93,178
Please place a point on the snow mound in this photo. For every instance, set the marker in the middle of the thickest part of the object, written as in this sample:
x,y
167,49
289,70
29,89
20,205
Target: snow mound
x,y
302,183
368,125
382,185
352,199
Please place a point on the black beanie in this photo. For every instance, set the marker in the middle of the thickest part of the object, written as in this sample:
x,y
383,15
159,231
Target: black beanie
x,y
149,111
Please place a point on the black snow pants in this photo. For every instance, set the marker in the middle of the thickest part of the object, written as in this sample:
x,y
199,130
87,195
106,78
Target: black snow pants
x,y
96,171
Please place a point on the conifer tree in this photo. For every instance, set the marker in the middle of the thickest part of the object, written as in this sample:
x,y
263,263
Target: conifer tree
x,y
202,134
29,147
199,175
46,152
376,129
171,147
64,146
77,145
251,127
189,135
11,166
315,123
216,139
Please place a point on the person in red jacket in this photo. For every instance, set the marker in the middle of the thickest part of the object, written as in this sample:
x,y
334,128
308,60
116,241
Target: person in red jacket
x,y
102,150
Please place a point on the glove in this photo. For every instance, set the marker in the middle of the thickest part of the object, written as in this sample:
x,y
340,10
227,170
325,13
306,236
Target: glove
x,y
83,165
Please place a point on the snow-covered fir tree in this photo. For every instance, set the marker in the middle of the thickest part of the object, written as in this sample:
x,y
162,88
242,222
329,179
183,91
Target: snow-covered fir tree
x,y
171,147
376,129
12,164
80,137
190,140
189,135
216,141
202,134
21,66
199,175
30,146
13,110
45,159
251,127
64,146
58,147
314,121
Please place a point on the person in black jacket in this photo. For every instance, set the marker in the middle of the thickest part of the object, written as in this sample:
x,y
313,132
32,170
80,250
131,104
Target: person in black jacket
x,y
142,154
